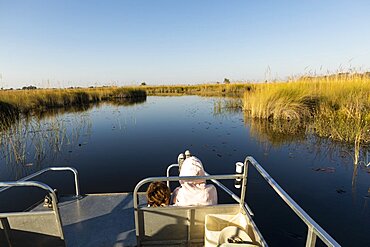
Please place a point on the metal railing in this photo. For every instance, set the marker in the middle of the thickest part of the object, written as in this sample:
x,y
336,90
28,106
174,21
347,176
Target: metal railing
x,y
73,170
43,186
24,182
241,202
314,230
220,185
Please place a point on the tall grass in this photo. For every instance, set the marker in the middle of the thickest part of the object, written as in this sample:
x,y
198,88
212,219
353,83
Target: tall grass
x,y
27,100
232,89
336,106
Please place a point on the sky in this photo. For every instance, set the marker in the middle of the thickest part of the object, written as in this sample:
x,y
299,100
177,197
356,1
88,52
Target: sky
x,y
55,43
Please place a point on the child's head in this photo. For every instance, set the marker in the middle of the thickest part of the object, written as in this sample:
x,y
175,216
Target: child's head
x,y
158,194
192,166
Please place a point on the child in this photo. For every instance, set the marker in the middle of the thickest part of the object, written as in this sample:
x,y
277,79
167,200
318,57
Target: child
x,y
194,192
158,195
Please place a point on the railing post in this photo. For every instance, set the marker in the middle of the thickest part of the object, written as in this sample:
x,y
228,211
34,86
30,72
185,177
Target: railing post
x,y
6,227
311,238
43,186
244,186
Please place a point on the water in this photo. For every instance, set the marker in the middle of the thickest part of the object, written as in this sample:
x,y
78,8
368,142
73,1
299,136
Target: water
x,y
115,146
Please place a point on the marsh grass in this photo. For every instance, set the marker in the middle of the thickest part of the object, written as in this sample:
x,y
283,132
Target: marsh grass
x,y
227,105
335,106
232,89
33,100
32,142
8,115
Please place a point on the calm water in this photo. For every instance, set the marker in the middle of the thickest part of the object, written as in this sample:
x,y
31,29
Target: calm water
x,y
115,146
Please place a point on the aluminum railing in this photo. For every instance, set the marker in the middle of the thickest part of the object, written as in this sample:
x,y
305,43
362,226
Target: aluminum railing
x,y
220,185
243,208
24,182
43,186
314,230
73,170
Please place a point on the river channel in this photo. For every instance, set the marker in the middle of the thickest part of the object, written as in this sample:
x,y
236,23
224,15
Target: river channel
x,y
114,146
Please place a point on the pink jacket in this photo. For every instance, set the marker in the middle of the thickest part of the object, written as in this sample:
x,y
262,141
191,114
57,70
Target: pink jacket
x,y
195,192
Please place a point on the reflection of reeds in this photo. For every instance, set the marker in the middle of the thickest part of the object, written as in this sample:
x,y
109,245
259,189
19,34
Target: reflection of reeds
x,y
8,115
227,105
127,101
277,132
28,143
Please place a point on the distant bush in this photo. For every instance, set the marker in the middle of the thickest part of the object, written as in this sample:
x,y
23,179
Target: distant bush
x,y
29,88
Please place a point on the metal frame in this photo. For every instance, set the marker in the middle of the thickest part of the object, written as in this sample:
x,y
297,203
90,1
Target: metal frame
x,y
43,186
23,182
220,185
73,170
314,230
243,205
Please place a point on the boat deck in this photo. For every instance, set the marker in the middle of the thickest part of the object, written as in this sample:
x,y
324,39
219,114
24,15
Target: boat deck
x,y
109,219
98,220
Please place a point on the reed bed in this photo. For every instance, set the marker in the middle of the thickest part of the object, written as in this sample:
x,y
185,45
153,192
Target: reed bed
x,y
216,89
40,99
335,106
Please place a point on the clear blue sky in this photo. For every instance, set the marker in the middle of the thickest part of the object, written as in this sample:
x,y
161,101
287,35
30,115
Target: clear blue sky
x,y
81,43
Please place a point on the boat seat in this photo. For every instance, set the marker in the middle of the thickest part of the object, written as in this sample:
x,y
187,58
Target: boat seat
x,y
177,225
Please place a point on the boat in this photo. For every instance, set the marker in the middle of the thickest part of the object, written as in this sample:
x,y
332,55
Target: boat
x,y
124,219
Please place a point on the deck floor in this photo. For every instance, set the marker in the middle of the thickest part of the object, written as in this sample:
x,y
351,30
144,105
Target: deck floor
x,y
98,220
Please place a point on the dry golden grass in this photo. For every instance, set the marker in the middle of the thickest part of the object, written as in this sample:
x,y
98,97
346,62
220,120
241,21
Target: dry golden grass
x,y
232,89
26,100
338,105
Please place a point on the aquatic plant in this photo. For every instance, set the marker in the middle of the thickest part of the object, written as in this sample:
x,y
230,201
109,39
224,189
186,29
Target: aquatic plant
x,y
40,99
339,106
31,143
334,106
231,89
124,93
8,115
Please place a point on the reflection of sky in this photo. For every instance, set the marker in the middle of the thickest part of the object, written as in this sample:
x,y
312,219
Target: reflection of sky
x,y
126,144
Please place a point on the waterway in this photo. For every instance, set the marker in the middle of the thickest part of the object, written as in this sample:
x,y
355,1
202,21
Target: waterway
x,y
113,146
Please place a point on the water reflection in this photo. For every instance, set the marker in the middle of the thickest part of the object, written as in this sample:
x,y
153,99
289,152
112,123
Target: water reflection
x,y
279,133
8,115
276,133
31,142
113,147
224,106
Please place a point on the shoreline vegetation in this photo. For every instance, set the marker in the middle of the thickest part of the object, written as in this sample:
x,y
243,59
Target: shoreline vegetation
x,y
333,106
25,101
